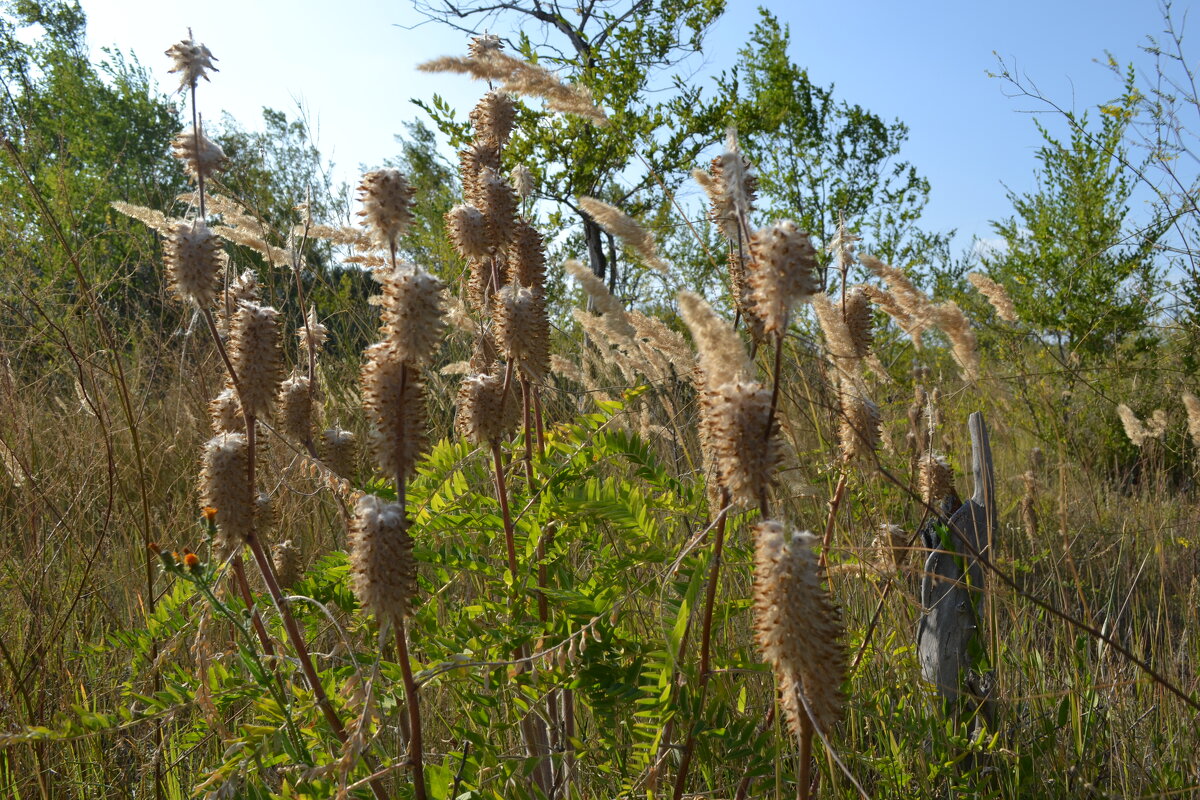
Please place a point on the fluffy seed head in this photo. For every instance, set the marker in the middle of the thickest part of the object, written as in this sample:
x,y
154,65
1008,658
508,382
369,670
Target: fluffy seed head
x,y
412,313
858,429
522,181
394,398
387,205
467,228
225,413
484,415
720,352
296,408
782,274
858,321
936,479
254,353
338,451
1140,432
192,61
523,330
730,187
498,202
285,557
797,627
312,334
201,156
383,570
527,257
225,486
492,118
480,46
1192,404
242,289
472,161
194,262
890,546
996,294
743,438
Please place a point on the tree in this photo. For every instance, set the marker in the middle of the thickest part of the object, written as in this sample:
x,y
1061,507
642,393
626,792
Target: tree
x,y
623,51
1071,269
818,157
85,135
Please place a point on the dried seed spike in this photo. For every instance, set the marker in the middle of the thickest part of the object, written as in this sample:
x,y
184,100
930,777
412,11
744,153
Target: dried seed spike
x,y
394,398
730,187
383,569
192,61
522,181
225,486
498,203
527,257
625,228
225,413
996,294
797,627
285,557
338,452
858,321
858,429
387,205
194,262
743,438
484,415
254,353
412,315
720,352
936,479
467,229
201,156
523,330
782,274
296,408
492,118
472,161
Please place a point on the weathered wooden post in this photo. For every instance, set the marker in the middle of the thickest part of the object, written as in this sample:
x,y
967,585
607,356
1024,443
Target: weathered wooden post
x,y
949,637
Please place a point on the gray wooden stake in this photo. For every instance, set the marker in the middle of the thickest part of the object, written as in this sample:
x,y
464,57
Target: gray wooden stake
x,y
952,587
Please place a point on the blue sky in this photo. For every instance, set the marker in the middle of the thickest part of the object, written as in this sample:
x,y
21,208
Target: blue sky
x,y
351,65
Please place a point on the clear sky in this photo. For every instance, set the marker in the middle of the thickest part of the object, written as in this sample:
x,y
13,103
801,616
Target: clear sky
x,y
351,65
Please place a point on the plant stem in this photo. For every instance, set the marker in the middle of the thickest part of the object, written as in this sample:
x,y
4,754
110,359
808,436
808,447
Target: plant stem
x,y
838,493
415,747
705,645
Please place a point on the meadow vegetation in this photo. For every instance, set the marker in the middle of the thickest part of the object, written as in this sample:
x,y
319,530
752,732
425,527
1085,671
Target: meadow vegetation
x,y
503,489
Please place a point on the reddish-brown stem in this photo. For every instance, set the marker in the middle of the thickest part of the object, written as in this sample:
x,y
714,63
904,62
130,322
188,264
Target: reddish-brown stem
x,y
804,790
239,574
416,753
710,601
838,493
510,543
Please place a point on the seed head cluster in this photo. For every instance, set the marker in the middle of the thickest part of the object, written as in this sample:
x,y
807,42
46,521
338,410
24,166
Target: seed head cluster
x,y
383,572
201,157
386,205
783,272
194,262
796,626
254,353
225,486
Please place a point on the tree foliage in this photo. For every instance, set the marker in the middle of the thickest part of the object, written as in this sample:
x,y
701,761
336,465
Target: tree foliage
x,y
820,157
1067,259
